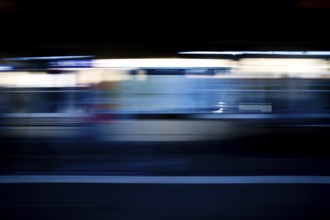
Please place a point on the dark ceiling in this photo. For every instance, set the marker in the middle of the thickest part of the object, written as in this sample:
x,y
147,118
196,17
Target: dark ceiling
x,y
160,28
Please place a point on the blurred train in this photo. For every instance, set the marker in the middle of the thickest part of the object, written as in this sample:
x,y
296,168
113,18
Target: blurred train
x,y
164,99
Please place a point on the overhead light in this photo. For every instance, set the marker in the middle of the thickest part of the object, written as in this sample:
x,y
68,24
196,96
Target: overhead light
x,y
318,52
211,52
274,62
161,63
309,53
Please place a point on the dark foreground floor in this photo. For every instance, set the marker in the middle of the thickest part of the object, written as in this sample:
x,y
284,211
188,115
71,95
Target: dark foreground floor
x,y
274,176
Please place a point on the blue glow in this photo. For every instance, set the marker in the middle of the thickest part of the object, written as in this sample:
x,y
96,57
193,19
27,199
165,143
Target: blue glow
x,y
2,68
71,63
166,179
46,58
318,53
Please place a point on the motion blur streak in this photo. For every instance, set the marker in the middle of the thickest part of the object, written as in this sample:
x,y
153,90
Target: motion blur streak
x,y
155,110
131,135
168,179
161,63
304,53
112,99
45,58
